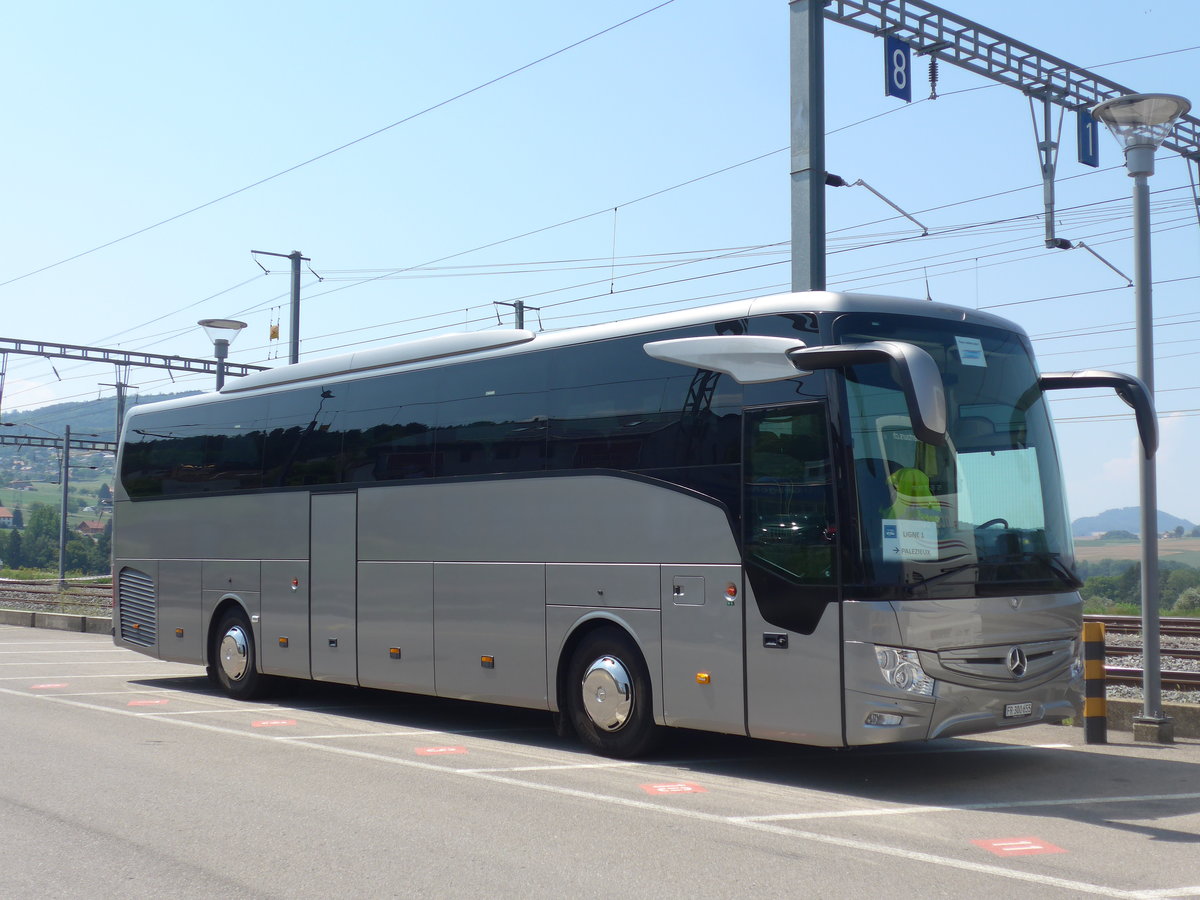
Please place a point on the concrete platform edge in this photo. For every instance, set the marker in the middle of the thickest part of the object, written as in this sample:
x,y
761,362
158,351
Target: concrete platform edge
x,y
56,621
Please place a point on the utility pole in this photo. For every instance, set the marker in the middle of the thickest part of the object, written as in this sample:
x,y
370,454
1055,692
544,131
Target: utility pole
x,y
519,308
62,522
294,338
808,144
120,387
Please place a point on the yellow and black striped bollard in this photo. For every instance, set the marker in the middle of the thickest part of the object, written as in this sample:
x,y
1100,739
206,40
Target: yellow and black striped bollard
x,y
1095,703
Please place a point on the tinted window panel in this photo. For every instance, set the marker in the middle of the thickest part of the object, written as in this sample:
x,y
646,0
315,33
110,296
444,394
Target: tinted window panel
x,y
203,449
492,418
304,437
608,426
389,428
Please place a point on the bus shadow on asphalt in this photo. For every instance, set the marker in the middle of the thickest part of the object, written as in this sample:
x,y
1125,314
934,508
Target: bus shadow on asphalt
x,y
1098,787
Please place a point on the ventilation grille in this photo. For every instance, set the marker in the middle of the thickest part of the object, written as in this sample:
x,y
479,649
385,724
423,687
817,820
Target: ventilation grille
x,y
993,663
135,599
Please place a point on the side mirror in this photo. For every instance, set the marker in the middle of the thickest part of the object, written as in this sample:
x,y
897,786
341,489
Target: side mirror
x,y
914,370
751,359
1128,388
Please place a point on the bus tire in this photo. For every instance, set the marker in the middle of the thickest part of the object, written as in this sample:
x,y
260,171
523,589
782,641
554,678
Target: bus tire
x,y
236,658
609,701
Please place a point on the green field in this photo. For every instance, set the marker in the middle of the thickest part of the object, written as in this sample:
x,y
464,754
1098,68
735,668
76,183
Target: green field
x,y
1182,550
81,487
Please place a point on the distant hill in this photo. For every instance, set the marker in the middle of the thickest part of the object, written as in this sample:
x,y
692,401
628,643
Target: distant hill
x,y
1127,519
98,417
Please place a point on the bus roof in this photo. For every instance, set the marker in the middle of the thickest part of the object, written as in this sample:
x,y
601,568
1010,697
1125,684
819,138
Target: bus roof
x,y
499,341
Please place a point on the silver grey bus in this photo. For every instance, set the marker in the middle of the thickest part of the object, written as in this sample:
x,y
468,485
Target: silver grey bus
x,y
821,518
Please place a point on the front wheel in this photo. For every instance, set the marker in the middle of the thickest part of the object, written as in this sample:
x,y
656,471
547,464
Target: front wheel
x,y
235,662
609,697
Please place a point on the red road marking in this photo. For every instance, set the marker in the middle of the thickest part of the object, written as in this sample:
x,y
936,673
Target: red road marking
x,y
273,723
148,702
46,687
1026,846
678,787
439,751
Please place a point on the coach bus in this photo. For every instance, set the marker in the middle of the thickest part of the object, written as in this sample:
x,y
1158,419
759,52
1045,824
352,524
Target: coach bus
x,y
822,518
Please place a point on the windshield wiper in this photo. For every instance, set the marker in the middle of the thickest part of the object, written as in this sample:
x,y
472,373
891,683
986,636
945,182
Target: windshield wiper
x,y
1049,560
910,588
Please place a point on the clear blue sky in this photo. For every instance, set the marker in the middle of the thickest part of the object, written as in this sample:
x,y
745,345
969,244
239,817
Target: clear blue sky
x,y
125,115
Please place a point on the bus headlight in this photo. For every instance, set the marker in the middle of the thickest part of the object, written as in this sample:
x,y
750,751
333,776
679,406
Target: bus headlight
x,y
1076,660
902,670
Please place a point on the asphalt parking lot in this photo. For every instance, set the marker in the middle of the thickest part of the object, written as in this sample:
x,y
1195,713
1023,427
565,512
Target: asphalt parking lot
x,y
117,753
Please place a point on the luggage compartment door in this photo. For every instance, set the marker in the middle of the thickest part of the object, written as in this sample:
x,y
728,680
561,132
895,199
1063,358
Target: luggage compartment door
x,y
333,604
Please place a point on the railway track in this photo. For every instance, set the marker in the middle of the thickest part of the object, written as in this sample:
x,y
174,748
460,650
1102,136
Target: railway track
x,y
46,596
1179,651
1169,626
1171,681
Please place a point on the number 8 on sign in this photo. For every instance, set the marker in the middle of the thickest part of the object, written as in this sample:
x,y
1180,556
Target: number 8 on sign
x,y
897,58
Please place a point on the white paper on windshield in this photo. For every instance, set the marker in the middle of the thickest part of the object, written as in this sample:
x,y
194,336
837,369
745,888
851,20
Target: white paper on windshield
x,y
909,539
970,351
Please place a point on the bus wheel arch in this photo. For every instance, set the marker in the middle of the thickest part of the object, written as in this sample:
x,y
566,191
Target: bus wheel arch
x,y
605,692
233,653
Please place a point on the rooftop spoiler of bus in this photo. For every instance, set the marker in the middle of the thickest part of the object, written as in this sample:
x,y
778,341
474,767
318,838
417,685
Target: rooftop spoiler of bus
x,y
751,359
1129,388
382,357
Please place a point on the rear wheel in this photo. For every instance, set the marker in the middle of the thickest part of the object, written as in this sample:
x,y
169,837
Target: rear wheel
x,y
609,697
235,659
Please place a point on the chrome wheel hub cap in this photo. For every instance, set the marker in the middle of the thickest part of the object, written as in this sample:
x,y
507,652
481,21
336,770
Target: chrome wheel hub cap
x,y
235,653
607,693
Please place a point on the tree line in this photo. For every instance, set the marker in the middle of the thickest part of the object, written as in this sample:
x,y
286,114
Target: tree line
x,y
1109,584
35,545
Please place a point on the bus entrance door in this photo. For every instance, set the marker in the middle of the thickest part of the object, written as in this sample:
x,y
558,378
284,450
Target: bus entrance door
x,y
333,550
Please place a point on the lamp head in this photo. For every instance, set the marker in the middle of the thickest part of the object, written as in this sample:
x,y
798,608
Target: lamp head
x,y
221,329
1140,123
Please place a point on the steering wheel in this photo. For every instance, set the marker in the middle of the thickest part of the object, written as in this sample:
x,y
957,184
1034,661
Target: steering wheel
x,y
997,521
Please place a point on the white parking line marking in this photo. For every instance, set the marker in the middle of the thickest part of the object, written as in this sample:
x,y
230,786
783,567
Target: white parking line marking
x,y
859,846
122,675
965,807
32,652
360,734
113,694
370,734
80,662
565,766
215,711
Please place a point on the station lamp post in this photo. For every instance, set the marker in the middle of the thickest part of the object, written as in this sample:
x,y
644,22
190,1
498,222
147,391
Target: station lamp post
x,y
1140,123
221,332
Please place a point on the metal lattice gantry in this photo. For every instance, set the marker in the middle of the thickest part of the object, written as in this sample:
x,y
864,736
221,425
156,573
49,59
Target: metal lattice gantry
x,y
933,31
76,443
122,357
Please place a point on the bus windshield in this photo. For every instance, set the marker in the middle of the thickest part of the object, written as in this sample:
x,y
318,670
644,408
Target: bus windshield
x,y
984,514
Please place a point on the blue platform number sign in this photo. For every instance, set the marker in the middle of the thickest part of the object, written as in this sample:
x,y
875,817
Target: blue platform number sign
x,y
1088,130
897,67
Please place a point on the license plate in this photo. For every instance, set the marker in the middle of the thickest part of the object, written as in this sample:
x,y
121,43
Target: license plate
x,y
1013,710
